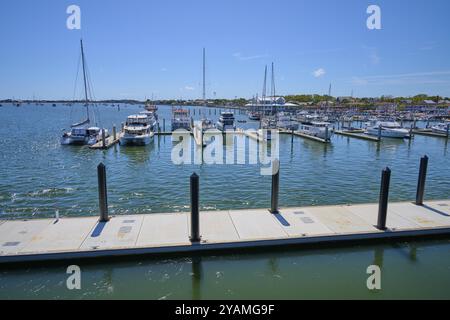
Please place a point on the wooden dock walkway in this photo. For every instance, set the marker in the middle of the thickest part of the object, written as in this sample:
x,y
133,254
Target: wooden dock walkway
x,y
110,141
429,133
151,234
356,134
307,136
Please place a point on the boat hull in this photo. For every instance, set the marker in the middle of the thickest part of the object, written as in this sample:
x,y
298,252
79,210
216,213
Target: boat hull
x,y
318,132
77,141
392,133
223,127
136,140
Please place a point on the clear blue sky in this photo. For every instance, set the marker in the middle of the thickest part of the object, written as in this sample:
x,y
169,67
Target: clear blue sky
x,y
135,48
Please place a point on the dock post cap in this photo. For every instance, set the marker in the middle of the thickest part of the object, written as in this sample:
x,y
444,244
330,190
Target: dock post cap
x,y
101,165
193,175
275,166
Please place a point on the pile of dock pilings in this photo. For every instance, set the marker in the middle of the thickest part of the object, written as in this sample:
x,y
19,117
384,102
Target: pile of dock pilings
x,y
195,195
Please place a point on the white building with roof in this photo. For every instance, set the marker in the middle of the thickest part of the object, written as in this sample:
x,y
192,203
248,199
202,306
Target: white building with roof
x,y
269,105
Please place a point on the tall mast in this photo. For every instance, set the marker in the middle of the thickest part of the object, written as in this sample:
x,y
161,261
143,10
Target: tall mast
x,y
204,67
85,83
264,86
273,84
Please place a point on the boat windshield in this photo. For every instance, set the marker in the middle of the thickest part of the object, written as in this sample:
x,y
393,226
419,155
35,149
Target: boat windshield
x,y
78,131
391,125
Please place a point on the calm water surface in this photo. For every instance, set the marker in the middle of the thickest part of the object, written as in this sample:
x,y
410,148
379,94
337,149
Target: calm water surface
x,y
38,177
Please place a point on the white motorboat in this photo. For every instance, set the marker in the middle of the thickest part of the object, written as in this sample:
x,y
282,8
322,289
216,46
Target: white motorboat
x,y
138,130
317,129
206,124
180,119
267,125
255,116
153,118
441,128
285,122
226,121
387,129
151,107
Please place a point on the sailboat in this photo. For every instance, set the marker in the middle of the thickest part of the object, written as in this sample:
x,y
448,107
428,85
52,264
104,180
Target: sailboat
x,y
151,106
81,133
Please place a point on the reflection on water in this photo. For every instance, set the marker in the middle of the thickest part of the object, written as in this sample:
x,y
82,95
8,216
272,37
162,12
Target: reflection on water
x,y
137,155
408,270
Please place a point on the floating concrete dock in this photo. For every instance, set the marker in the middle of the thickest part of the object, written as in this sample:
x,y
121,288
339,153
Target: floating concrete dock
x,y
429,133
307,136
357,134
151,234
254,135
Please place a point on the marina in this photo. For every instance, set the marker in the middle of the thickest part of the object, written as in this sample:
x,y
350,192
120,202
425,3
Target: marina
x,y
194,150
20,199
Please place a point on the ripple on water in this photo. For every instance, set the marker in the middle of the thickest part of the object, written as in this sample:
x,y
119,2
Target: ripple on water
x,y
43,176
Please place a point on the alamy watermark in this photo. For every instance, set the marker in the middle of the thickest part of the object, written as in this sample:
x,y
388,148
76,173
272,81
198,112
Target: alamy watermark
x,y
374,280
228,148
73,282
374,20
73,22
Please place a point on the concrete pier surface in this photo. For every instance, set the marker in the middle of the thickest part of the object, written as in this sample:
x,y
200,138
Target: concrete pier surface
x,y
86,237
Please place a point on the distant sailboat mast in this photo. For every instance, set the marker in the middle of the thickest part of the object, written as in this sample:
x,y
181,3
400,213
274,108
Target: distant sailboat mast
x,y
85,83
273,85
264,86
204,76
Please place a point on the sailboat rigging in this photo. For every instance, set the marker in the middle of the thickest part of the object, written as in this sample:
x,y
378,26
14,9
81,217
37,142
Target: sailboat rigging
x,y
80,133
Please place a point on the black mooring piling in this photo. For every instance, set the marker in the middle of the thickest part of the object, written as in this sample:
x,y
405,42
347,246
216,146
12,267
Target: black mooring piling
x,y
421,181
384,196
275,186
195,216
102,192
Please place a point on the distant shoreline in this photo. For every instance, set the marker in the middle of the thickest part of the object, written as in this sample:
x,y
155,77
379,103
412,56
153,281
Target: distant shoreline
x,y
231,104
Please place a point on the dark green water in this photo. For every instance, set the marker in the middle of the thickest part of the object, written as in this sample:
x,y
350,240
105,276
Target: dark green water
x,y
408,270
38,177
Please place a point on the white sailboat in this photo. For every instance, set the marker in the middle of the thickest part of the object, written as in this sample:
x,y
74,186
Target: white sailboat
x,y
81,133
